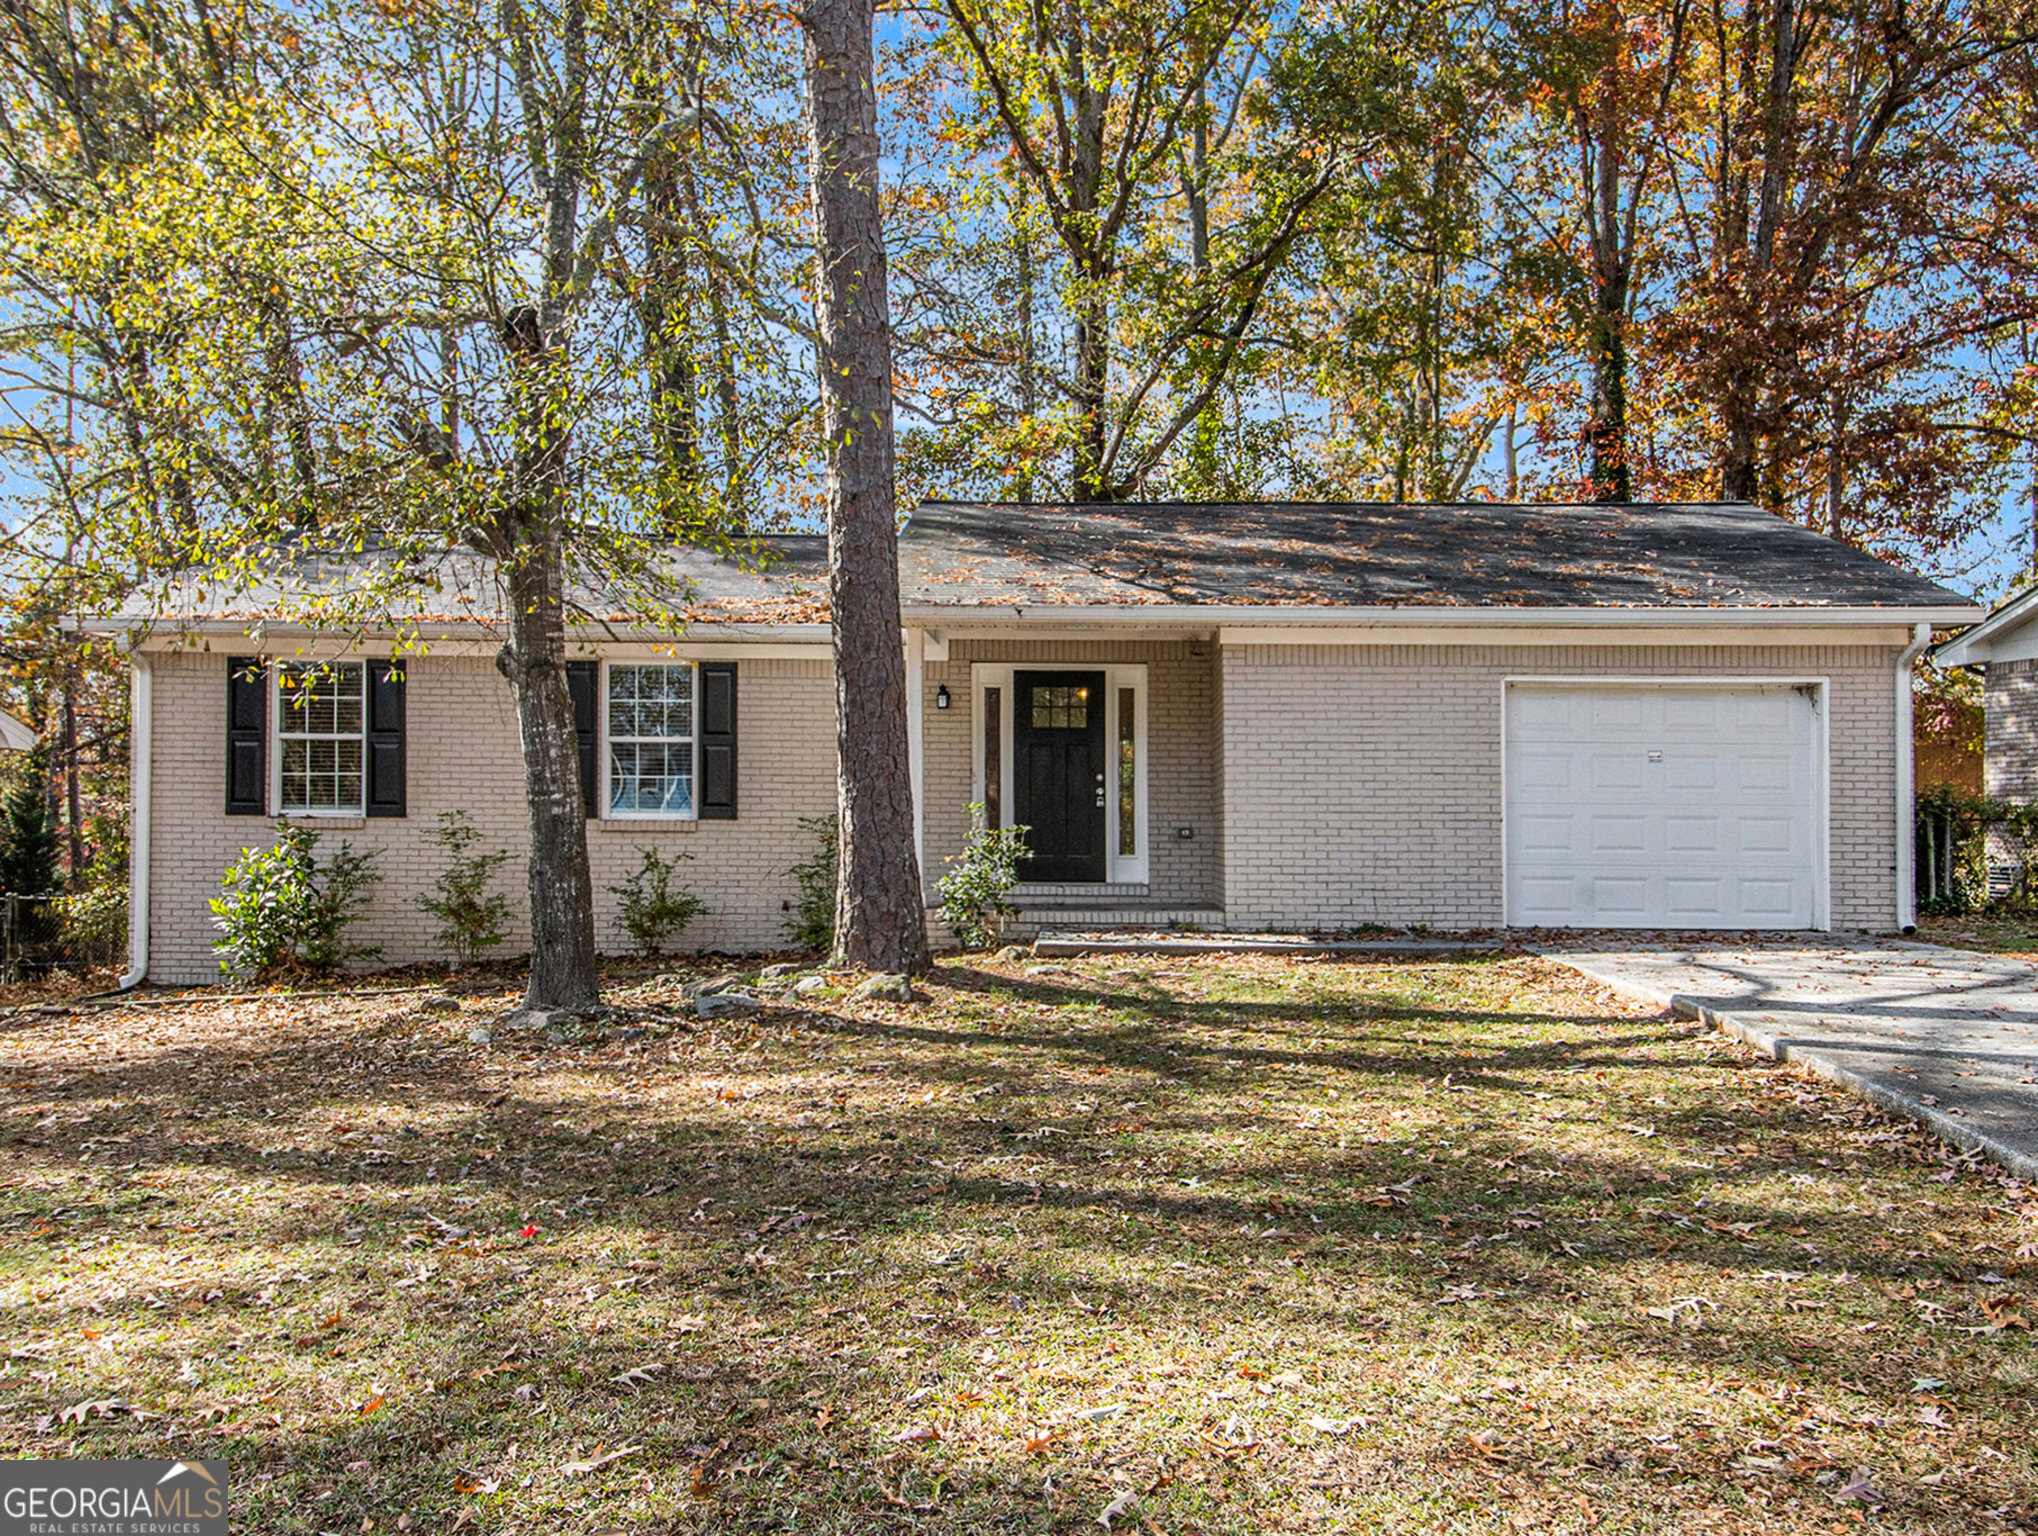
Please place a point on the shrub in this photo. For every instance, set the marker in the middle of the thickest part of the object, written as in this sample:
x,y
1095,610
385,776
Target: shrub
x,y
279,909
973,891
812,925
471,917
652,909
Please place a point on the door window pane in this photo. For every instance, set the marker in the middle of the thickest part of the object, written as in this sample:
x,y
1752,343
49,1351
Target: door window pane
x,y
1128,810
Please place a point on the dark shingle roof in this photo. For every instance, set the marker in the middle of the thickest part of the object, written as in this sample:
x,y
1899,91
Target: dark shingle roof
x,y
1474,554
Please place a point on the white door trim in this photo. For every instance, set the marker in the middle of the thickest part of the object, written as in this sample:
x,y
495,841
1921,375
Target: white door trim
x,y
1819,690
1119,868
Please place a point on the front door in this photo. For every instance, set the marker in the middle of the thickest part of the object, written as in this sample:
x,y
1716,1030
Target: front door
x,y
1058,762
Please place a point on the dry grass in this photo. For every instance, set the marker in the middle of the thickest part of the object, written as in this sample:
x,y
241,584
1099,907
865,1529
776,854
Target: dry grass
x,y
1264,1245
2003,935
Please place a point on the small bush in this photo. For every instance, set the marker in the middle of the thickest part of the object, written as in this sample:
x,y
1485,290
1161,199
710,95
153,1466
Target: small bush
x,y
1975,853
812,925
973,891
280,910
472,918
653,911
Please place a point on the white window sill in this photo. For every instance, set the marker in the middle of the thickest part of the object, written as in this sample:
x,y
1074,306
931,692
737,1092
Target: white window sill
x,y
647,823
342,821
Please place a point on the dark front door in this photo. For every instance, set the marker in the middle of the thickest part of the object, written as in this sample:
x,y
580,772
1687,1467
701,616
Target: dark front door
x,y
1058,760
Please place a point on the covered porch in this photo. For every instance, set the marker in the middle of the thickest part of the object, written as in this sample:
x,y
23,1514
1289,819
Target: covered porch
x,y
1109,750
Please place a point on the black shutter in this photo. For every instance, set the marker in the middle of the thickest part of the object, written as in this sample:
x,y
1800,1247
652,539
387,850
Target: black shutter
x,y
385,738
718,741
583,682
247,736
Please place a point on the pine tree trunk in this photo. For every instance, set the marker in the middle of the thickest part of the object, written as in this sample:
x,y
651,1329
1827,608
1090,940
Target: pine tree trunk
x,y
879,920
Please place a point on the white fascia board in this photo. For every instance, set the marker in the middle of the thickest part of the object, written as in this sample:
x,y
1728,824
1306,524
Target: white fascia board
x,y
705,642
2008,634
1878,635
1271,617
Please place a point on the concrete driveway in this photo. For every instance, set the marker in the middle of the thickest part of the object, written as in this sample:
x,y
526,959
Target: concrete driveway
x,y
1945,1036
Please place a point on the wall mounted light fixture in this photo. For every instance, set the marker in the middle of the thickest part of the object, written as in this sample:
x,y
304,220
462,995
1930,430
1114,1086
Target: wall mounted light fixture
x,y
941,697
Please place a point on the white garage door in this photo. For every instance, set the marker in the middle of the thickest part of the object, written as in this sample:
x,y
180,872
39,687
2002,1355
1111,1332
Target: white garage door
x,y
1662,806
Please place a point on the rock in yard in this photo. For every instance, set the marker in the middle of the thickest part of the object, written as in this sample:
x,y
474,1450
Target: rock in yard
x,y
807,986
720,1005
1014,953
778,972
708,988
885,989
542,1020
480,1035
441,1002
1049,970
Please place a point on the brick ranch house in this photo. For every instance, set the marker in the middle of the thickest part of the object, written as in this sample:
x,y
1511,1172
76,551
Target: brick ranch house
x,y
1250,716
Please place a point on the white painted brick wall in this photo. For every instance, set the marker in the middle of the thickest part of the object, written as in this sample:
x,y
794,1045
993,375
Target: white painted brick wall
x,y
2010,749
1363,783
463,754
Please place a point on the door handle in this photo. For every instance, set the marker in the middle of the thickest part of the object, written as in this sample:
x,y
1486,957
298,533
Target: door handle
x,y
1100,791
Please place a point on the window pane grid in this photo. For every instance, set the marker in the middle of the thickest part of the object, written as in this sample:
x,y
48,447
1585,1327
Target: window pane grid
x,y
1061,709
650,735
320,719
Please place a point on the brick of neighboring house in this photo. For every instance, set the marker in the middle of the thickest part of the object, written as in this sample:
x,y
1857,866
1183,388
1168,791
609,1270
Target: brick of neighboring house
x,y
2011,750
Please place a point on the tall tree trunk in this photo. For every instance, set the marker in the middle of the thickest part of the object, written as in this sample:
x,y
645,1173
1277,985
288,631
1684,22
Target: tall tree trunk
x,y
1092,382
562,889
74,820
1029,370
880,923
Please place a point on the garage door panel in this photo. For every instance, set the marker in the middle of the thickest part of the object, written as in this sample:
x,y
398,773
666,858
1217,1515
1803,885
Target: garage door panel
x,y
1616,771
1661,806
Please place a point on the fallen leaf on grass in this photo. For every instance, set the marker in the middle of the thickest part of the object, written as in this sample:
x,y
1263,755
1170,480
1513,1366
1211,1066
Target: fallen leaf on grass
x,y
474,1482
1098,1415
373,1404
1041,1441
638,1375
1330,1426
919,1434
1487,1444
1115,1508
575,1468
692,1323
99,1408
1858,1489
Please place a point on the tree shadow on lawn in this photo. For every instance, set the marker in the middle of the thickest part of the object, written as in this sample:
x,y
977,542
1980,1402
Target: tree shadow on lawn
x,y
832,1238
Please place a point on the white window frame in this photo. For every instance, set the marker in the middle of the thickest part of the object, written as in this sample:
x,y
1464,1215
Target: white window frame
x,y
603,802
276,738
1119,868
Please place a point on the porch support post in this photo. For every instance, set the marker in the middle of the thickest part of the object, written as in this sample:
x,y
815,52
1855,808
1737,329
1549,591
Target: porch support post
x,y
916,747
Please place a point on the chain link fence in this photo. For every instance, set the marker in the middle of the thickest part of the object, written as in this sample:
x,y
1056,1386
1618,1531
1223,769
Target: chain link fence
x,y
1975,853
43,932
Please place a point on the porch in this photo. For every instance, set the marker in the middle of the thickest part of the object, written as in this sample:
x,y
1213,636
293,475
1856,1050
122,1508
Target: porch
x,y
1107,750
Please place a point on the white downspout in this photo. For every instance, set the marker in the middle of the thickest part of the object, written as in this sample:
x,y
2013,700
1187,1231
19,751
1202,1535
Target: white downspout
x,y
916,745
1906,786
141,796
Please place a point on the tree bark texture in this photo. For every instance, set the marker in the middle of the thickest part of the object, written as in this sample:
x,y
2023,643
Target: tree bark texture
x,y
880,923
561,887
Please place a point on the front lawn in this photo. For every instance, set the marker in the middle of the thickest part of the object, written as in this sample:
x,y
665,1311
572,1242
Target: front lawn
x,y
1219,1245
2002,935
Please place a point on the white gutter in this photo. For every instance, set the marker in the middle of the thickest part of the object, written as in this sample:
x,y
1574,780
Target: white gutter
x,y
1906,786
140,795
1301,615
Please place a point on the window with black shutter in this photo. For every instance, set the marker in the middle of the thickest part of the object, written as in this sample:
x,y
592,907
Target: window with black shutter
x,y
718,741
386,750
247,736
583,682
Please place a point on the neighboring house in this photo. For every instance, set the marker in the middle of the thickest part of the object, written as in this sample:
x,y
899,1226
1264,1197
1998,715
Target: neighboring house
x,y
14,736
1289,716
2005,646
